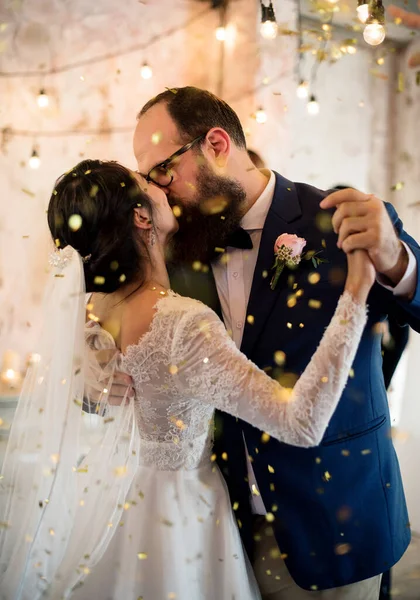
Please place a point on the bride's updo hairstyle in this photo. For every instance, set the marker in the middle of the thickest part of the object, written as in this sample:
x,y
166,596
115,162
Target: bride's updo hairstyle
x,y
91,209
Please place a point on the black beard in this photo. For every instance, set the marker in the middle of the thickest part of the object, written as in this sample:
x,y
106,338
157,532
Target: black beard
x,y
205,225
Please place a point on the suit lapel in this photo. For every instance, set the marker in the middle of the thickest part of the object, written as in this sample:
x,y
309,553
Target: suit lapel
x,y
284,211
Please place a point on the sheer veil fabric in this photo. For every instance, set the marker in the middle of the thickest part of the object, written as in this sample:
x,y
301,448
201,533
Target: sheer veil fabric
x,y
62,488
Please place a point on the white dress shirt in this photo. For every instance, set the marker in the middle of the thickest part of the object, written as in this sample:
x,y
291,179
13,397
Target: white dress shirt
x,y
233,275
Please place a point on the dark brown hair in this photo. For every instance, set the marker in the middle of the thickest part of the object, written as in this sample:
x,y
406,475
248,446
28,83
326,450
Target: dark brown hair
x,y
196,111
103,196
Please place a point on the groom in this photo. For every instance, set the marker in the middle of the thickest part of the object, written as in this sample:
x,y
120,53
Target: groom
x,y
324,522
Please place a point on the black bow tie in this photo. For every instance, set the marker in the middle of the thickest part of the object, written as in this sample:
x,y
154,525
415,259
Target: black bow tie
x,y
240,239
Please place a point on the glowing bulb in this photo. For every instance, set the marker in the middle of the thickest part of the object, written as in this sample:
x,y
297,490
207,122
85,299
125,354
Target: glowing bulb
x,y
146,71
269,30
374,34
351,49
302,90
313,106
10,375
363,12
221,34
42,99
34,161
261,116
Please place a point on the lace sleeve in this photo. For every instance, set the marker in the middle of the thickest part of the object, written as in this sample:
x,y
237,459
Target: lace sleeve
x,y
209,368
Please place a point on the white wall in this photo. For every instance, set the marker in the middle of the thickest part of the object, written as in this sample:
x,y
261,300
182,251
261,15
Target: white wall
x,y
407,171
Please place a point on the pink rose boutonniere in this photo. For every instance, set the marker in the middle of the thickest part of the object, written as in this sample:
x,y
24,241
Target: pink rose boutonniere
x,y
288,249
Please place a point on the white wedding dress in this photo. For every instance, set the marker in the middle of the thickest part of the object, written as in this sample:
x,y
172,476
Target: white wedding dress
x,y
176,536
139,509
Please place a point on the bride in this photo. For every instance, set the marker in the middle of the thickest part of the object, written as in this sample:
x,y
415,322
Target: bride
x,y
137,508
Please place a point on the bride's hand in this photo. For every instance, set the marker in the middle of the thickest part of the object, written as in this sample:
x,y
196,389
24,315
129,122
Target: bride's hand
x,y
360,275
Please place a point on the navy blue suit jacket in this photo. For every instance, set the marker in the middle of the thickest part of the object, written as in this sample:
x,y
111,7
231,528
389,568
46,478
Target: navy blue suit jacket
x,y
340,512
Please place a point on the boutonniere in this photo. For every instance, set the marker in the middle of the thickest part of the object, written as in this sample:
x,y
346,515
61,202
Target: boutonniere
x,y
288,249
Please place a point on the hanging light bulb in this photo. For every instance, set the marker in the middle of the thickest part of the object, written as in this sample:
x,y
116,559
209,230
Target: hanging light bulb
x,y
146,71
362,10
269,27
374,32
221,34
34,161
42,99
313,106
261,116
302,90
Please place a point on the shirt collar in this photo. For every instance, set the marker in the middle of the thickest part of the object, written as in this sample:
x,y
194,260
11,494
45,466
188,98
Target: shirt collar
x,y
257,214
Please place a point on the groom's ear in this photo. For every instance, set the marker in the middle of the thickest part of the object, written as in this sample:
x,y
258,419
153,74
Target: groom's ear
x,y
142,219
218,146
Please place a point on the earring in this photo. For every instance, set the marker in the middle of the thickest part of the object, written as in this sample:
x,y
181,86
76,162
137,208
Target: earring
x,y
152,237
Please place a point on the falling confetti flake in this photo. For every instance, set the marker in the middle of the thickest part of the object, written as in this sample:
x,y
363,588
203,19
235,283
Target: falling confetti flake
x,y
142,555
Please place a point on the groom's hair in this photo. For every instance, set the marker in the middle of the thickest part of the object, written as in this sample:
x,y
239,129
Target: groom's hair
x,y
196,111
92,210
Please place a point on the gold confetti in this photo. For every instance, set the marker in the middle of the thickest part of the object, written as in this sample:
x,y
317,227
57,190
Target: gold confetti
x,y
224,456
250,319
142,555
28,192
274,508
235,505
269,517
398,186
120,471
272,487
324,379
51,532
265,438
173,369
265,274
156,137
342,549
255,490
75,222
213,457
315,304
301,325
318,460
289,325
380,60
367,451
270,469
122,278
345,452
291,301
268,571
327,476
351,373
313,278
93,191
99,280
177,211
88,172
54,457
279,358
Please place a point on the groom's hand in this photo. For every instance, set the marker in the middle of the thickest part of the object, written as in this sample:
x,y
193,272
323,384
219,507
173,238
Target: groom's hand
x,y
362,223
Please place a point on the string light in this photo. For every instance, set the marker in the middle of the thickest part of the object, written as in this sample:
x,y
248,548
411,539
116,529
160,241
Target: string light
x,y
261,116
146,71
302,90
362,10
269,27
43,100
313,106
34,161
374,32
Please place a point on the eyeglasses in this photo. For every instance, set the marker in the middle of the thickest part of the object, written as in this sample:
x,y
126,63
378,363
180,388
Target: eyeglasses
x,y
162,174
